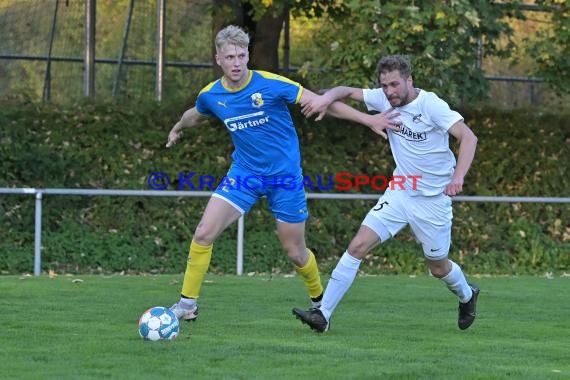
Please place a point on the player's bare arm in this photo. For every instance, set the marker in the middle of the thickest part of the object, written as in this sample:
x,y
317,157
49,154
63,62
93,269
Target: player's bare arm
x,y
309,97
467,145
318,105
190,118
378,123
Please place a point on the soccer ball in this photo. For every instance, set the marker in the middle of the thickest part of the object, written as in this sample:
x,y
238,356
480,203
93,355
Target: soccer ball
x,y
158,323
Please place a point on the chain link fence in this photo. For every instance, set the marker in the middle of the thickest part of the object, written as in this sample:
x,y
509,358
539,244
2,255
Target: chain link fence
x,y
44,43
43,47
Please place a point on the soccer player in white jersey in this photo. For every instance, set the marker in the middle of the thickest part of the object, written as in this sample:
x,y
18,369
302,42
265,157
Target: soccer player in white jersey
x,y
252,105
420,147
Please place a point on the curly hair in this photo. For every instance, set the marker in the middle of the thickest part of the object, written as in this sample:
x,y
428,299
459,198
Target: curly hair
x,y
389,63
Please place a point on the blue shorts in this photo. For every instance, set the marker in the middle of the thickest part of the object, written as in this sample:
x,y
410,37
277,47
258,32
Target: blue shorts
x,y
285,194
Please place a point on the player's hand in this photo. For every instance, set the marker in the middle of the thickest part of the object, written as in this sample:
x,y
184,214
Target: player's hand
x,y
454,187
316,105
173,136
385,120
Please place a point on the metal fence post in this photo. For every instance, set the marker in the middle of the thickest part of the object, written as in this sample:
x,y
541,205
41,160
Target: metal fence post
x,y
38,235
160,48
89,49
240,234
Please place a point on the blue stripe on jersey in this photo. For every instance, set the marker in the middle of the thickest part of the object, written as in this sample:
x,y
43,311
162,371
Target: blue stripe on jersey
x,y
258,120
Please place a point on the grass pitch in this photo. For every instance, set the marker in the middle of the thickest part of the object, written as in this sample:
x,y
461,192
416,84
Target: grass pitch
x,y
392,327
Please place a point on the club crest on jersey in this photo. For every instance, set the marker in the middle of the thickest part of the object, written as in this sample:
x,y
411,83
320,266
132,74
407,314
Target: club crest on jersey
x,y
256,100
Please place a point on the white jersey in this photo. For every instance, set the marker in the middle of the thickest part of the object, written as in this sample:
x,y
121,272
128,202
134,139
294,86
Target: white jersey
x,y
421,146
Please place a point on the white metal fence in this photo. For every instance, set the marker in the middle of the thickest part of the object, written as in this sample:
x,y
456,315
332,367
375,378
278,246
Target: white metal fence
x,y
39,194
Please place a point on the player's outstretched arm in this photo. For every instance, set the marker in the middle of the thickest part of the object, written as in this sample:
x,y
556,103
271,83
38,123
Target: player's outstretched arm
x,y
378,123
189,119
328,103
313,104
467,145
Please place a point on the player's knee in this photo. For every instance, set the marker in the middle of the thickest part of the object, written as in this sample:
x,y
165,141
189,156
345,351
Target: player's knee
x,y
358,248
204,235
437,272
439,269
297,254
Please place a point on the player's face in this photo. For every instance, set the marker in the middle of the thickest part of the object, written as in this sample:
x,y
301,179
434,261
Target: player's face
x,y
233,61
396,88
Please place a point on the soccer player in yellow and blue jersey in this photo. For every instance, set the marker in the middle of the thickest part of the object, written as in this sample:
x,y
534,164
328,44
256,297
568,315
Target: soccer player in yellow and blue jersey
x,y
253,107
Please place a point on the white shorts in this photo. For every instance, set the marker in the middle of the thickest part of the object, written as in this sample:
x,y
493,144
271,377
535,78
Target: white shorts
x,y
428,217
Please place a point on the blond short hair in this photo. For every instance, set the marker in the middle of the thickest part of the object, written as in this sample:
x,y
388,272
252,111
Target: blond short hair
x,y
232,35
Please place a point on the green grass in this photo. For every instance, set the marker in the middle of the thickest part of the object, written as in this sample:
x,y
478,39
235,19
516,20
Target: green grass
x,y
388,327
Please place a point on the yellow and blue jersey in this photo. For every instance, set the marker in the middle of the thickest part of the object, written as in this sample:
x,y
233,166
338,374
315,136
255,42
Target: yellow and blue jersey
x,y
258,120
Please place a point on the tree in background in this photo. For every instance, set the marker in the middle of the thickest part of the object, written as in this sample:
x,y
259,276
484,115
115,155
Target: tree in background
x,y
551,46
334,41
446,39
264,19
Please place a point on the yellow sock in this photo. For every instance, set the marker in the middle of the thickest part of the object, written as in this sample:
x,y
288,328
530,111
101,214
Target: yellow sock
x,y
310,273
196,268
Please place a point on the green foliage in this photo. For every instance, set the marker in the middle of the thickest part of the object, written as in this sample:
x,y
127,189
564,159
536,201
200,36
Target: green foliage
x,y
445,38
441,36
307,8
551,48
117,146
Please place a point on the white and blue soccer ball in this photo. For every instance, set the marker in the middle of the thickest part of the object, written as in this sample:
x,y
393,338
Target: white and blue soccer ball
x,y
158,323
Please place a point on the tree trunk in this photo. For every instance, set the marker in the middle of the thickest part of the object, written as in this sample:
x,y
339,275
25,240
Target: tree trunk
x,y
226,12
265,46
264,33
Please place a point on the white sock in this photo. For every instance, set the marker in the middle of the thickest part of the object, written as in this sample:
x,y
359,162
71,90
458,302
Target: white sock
x,y
456,282
342,277
187,303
